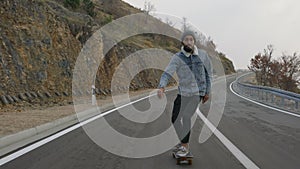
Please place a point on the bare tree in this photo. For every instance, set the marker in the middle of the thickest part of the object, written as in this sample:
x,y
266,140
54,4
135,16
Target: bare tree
x,y
148,7
185,25
201,38
169,22
275,75
268,54
290,70
256,66
283,73
261,64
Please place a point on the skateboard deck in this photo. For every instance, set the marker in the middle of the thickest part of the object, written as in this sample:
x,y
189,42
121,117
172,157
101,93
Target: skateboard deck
x,y
186,159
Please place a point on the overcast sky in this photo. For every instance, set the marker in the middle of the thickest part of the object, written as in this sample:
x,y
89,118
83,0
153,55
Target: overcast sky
x,y
240,28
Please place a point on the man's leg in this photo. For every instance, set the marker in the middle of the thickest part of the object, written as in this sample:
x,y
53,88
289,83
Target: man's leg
x,y
188,106
179,108
189,110
175,119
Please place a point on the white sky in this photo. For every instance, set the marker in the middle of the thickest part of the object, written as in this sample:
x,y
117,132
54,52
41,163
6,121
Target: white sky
x,y
240,28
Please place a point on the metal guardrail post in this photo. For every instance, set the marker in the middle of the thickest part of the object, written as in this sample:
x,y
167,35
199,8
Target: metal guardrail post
x,y
259,95
282,101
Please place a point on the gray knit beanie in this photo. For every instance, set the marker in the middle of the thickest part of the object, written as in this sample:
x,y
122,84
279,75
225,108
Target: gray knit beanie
x,y
188,32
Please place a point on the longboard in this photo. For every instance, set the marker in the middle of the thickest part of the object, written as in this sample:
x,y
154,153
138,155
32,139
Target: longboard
x,y
186,159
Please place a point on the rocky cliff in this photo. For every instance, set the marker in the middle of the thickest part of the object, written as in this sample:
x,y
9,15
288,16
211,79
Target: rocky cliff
x,y
40,41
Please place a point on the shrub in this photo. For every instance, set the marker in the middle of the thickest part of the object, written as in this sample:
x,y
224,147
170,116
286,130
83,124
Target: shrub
x,y
72,3
89,7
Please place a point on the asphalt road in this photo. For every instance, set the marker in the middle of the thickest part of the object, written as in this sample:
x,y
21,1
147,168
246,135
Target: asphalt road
x,y
270,139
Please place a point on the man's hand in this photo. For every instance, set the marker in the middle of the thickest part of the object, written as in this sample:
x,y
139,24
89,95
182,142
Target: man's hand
x,y
160,92
205,98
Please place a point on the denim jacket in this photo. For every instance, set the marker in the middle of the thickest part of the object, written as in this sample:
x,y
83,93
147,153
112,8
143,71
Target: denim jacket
x,y
194,72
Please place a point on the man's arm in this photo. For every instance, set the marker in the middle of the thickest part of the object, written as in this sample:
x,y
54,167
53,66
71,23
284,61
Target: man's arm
x,y
208,77
167,74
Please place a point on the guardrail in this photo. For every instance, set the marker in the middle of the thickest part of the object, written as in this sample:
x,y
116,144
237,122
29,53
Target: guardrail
x,y
271,96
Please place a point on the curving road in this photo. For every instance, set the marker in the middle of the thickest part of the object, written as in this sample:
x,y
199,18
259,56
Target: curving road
x,y
266,138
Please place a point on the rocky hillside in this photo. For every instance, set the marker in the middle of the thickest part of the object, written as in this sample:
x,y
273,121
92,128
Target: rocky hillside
x,y
40,41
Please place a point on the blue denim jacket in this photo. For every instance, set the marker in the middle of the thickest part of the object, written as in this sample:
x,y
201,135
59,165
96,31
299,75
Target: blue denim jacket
x,y
194,73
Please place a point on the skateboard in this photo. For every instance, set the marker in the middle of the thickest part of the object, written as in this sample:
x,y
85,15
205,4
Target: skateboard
x,y
186,159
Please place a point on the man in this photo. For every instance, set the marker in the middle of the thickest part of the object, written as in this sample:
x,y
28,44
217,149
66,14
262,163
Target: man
x,y
193,69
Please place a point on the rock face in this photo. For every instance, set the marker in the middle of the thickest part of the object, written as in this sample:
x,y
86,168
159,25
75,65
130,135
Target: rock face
x,y
40,41
37,48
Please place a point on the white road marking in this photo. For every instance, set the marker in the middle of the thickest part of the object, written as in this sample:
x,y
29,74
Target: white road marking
x,y
228,144
232,148
40,143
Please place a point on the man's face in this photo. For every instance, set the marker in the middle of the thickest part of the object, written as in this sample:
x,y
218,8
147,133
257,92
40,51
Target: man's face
x,y
189,41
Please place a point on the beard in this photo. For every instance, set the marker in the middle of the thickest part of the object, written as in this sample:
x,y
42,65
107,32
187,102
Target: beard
x,y
188,49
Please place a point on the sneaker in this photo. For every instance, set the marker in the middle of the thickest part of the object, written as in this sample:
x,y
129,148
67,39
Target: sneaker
x,y
182,151
176,148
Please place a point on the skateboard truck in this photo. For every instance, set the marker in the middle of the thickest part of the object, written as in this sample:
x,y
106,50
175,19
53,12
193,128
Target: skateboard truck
x,y
184,159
